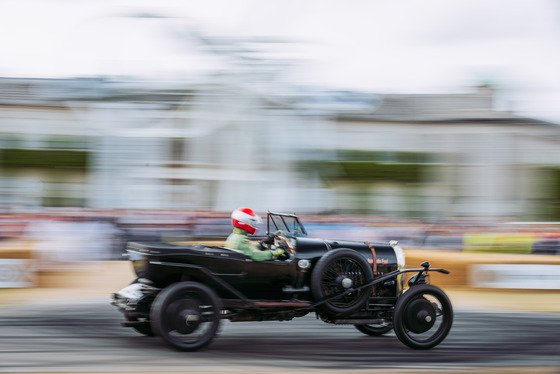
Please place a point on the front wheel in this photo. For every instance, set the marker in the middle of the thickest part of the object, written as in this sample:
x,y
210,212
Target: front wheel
x,y
186,315
423,317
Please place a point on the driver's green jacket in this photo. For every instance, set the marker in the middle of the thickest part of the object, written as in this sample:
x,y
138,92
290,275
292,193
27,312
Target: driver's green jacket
x,y
239,239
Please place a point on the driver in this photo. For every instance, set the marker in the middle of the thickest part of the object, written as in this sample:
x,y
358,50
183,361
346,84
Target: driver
x,y
244,221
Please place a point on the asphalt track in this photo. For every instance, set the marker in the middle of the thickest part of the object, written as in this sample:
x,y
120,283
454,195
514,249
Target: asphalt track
x,y
84,335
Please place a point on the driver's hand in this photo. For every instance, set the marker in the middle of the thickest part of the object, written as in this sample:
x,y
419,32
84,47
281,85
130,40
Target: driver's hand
x,y
268,240
284,256
277,252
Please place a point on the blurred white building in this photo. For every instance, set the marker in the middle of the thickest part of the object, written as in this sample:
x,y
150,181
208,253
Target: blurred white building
x,y
109,144
462,158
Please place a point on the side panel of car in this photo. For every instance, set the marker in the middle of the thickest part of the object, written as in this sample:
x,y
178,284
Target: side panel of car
x,y
266,279
254,279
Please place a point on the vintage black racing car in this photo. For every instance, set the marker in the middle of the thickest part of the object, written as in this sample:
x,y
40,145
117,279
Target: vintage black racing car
x,y
183,291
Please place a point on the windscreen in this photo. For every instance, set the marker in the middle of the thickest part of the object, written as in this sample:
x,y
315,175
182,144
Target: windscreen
x,y
288,223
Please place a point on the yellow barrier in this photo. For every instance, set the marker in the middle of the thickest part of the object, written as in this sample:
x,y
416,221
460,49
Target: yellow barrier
x,y
103,277
15,249
498,242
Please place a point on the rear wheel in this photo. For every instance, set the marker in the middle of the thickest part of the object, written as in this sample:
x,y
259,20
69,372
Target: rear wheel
x,y
339,271
423,317
186,315
376,329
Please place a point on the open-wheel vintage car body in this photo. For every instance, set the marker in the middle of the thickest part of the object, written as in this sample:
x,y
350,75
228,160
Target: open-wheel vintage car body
x,y
183,291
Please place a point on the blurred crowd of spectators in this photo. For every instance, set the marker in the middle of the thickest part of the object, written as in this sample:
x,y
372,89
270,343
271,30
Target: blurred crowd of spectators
x,y
79,235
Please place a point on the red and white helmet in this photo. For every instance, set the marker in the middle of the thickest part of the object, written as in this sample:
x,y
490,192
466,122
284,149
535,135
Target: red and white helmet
x,y
246,219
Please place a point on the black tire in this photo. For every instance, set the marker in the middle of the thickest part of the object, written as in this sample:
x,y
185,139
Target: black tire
x,y
186,315
423,317
144,329
330,273
375,329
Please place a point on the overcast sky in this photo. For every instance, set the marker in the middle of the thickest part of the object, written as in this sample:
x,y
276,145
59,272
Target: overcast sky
x,y
394,46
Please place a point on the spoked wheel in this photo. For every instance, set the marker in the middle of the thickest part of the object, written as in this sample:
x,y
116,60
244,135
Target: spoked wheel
x,y
186,315
338,271
423,317
376,329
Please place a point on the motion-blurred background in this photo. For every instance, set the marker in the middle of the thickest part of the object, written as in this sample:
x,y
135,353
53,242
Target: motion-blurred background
x,y
434,123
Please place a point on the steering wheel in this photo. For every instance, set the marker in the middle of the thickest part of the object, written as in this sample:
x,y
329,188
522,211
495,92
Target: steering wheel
x,y
281,240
